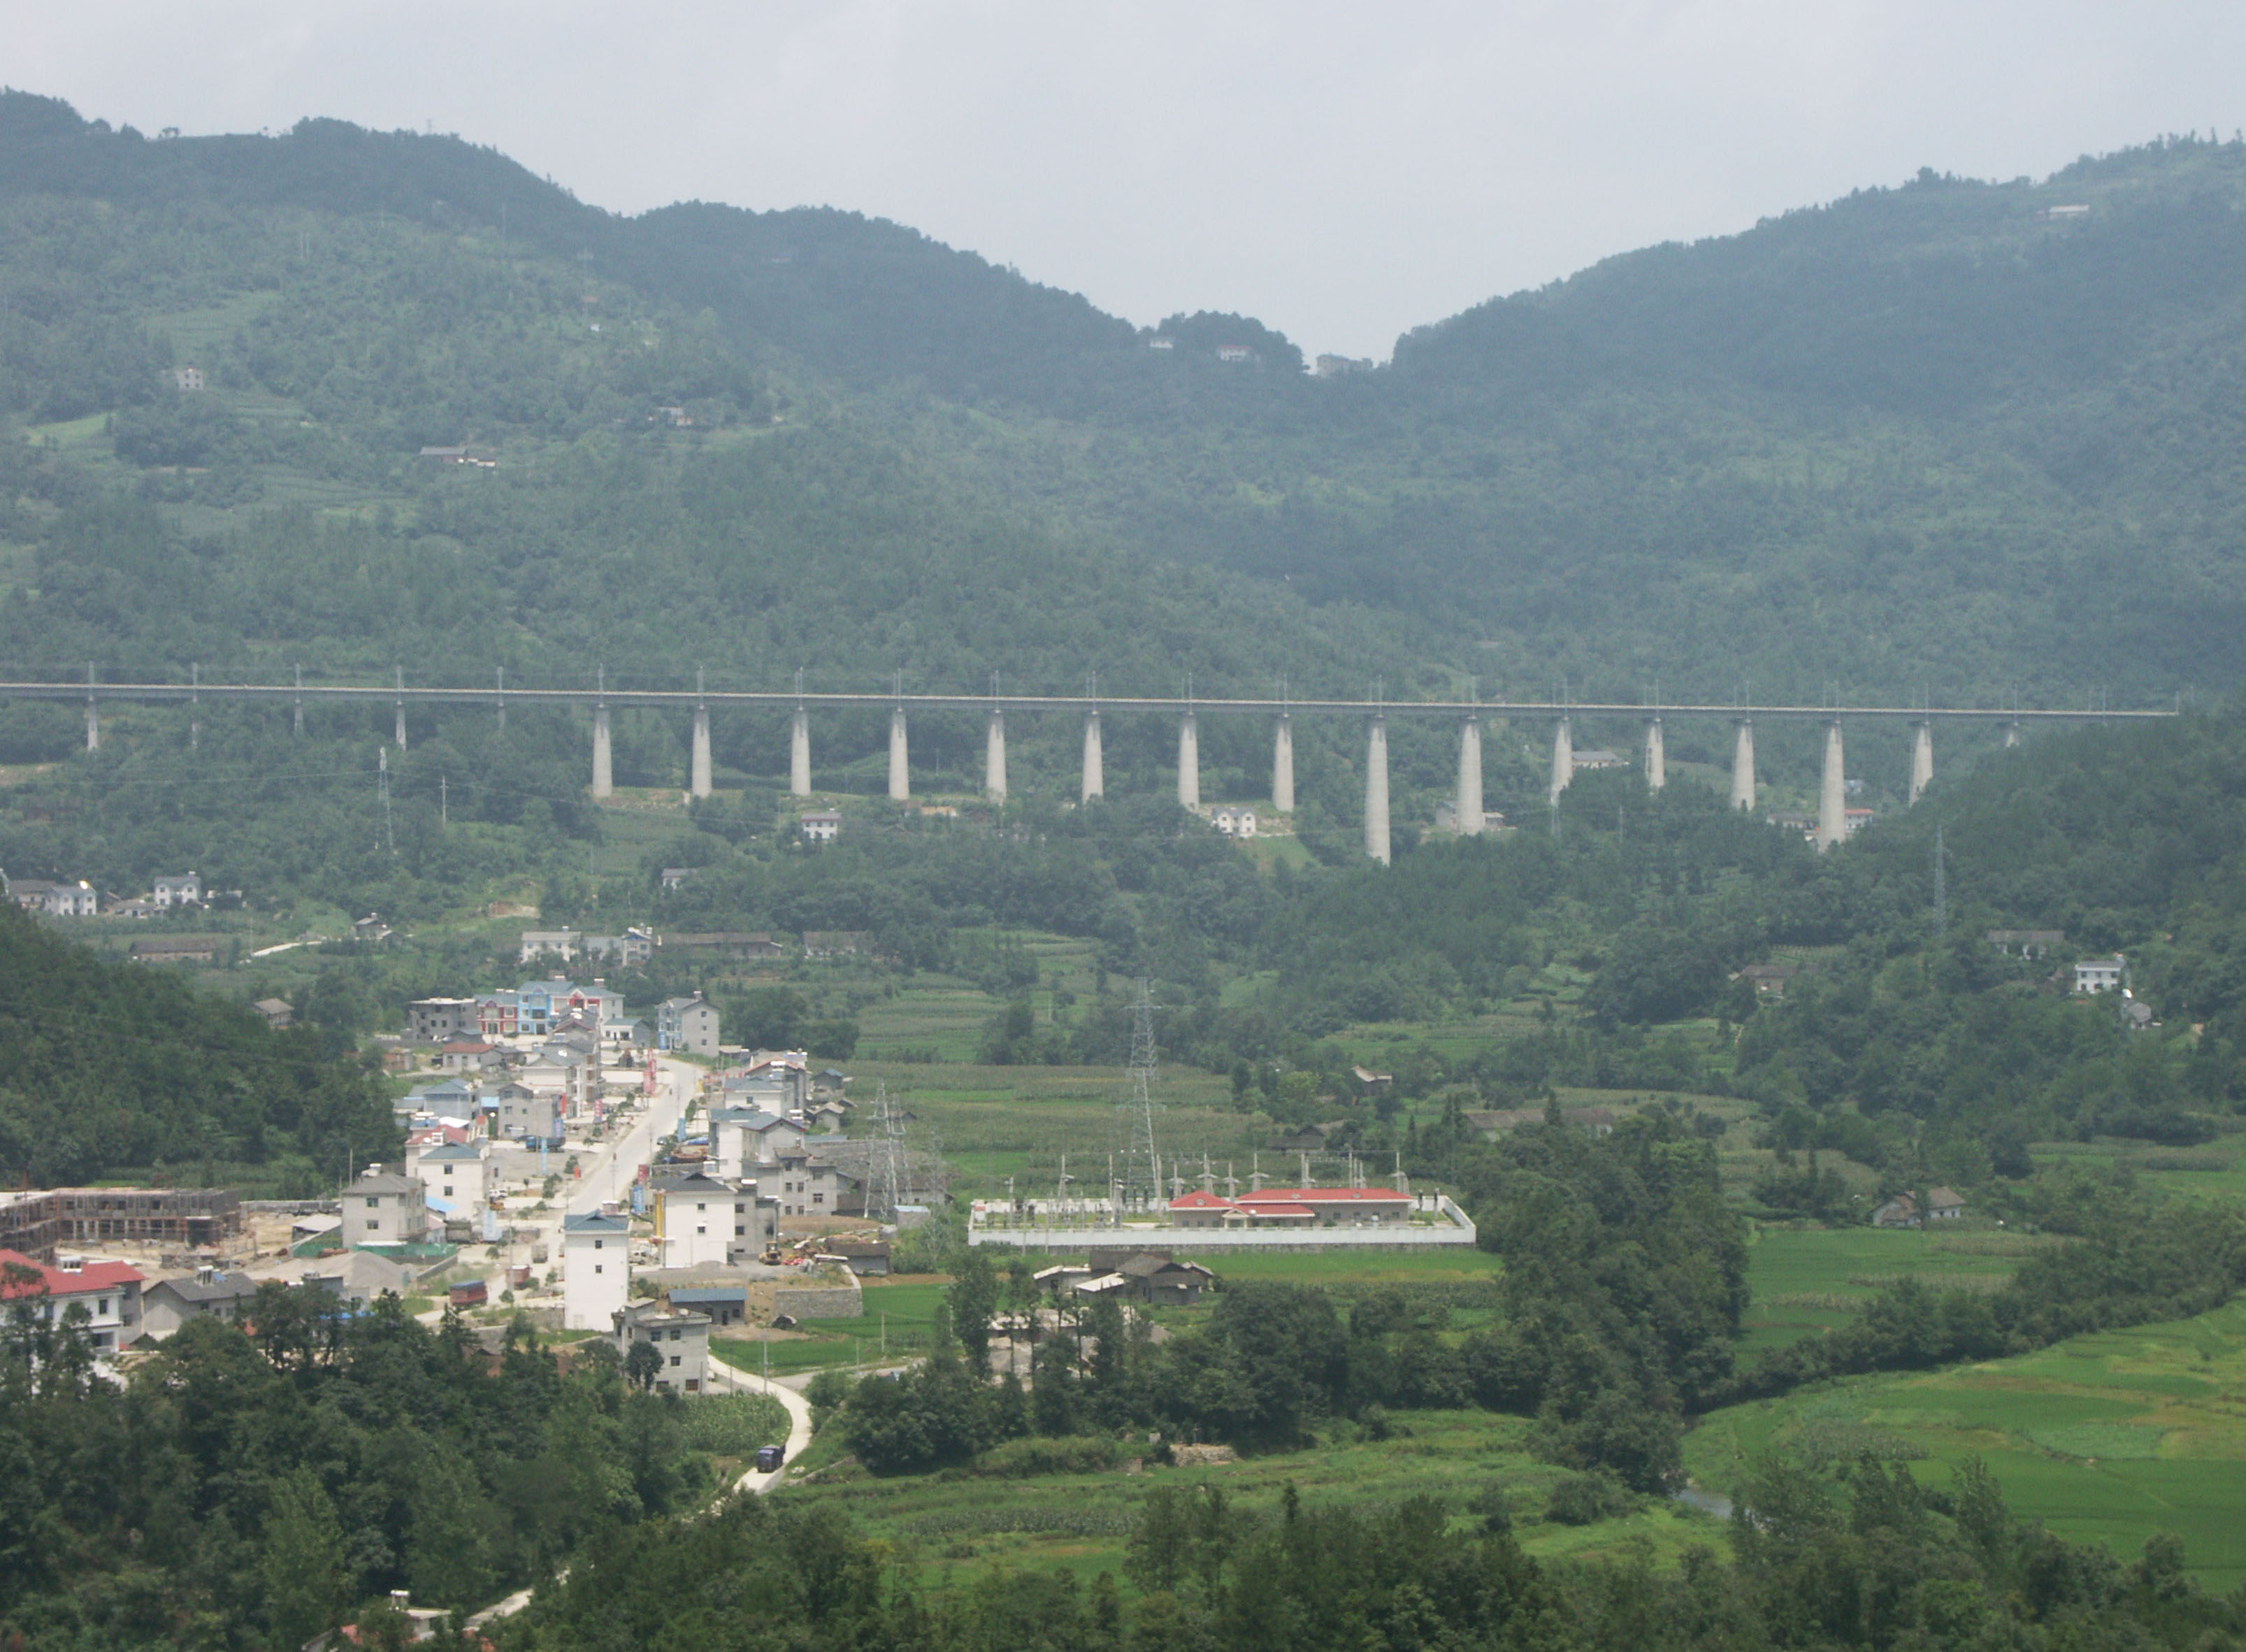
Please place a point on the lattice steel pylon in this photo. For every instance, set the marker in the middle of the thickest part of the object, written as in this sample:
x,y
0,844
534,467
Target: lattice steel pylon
x,y
1140,1180
894,1173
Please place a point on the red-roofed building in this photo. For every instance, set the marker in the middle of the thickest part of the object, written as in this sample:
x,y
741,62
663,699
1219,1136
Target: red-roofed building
x,y
1292,1207
110,1293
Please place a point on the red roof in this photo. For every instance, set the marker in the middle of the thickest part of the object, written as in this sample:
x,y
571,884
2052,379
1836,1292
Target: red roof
x,y
56,1281
1198,1200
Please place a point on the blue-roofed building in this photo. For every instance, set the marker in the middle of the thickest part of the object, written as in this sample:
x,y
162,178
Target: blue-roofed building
x,y
724,1304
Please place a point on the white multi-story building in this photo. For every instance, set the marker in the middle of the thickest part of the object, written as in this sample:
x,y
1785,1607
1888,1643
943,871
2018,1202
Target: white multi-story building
x,y
109,1292
384,1209
701,1221
596,1270
689,1024
184,889
455,1176
2101,974
680,1335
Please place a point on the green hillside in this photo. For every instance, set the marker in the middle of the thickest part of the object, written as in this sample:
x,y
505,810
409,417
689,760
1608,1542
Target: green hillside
x,y
1924,440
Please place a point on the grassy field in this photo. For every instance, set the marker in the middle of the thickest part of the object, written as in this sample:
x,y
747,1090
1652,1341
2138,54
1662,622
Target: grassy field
x,y
951,1528
2106,1438
897,1321
1807,1279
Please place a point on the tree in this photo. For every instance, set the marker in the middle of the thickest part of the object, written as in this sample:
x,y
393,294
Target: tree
x,y
642,1365
303,1567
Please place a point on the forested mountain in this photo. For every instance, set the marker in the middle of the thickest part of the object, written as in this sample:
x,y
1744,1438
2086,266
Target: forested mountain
x,y
1926,439
106,1066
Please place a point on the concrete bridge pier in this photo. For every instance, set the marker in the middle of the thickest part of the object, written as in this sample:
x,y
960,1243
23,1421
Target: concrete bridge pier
x,y
1564,757
603,771
1833,791
401,707
900,758
799,755
1743,775
1283,764
1095,774
1657,756
698,778
1188,763
1376,790
1468,808
196,711
1922,759
297,720
994,757
2012,732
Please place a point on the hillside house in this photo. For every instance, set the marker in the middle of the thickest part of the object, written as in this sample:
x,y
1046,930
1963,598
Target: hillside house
x,y
835,943
181,889
820,825
1945,1204
109,1292
175,950
1233,820
1901,1211
561,944
79,900
205,1293
634,948
2101,974
278,1012
2026,943
681,1335
752,947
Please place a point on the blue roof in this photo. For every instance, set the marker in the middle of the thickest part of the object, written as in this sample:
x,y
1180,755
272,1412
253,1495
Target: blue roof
x,y
594,1222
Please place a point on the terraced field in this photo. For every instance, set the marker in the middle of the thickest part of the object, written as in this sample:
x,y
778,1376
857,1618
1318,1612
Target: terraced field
x,y
2105,1438
1808,1280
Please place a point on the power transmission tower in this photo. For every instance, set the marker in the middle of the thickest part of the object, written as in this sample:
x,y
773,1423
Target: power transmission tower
x,y
1142,1166
382,786
896,1178
1940,887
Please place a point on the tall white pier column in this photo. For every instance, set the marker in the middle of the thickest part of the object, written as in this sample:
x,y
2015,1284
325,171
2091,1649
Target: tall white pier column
x,y
1563,757
799,755
900,758
93,712
1376,790
1468,807
1922,759
1832,792
1743,778
1095,773
401,707
603,771
994,757
1657,756
296,723
1188,763
2012,732
698,781
1283,764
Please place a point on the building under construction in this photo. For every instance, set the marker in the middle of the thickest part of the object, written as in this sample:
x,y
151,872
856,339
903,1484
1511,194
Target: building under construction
x,y
36,1223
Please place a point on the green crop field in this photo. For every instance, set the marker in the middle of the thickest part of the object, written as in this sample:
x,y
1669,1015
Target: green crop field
x,y
952,1527
2108,1438
1807,1279
897,1324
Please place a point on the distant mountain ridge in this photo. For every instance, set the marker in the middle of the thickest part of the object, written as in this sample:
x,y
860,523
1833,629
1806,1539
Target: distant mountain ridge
x,y
1927,440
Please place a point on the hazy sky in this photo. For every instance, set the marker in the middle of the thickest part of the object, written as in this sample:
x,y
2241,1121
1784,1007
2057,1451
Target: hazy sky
x,y
1343,171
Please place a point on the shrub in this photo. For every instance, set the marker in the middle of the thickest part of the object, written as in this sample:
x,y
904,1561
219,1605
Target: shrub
x,y
1582,1498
